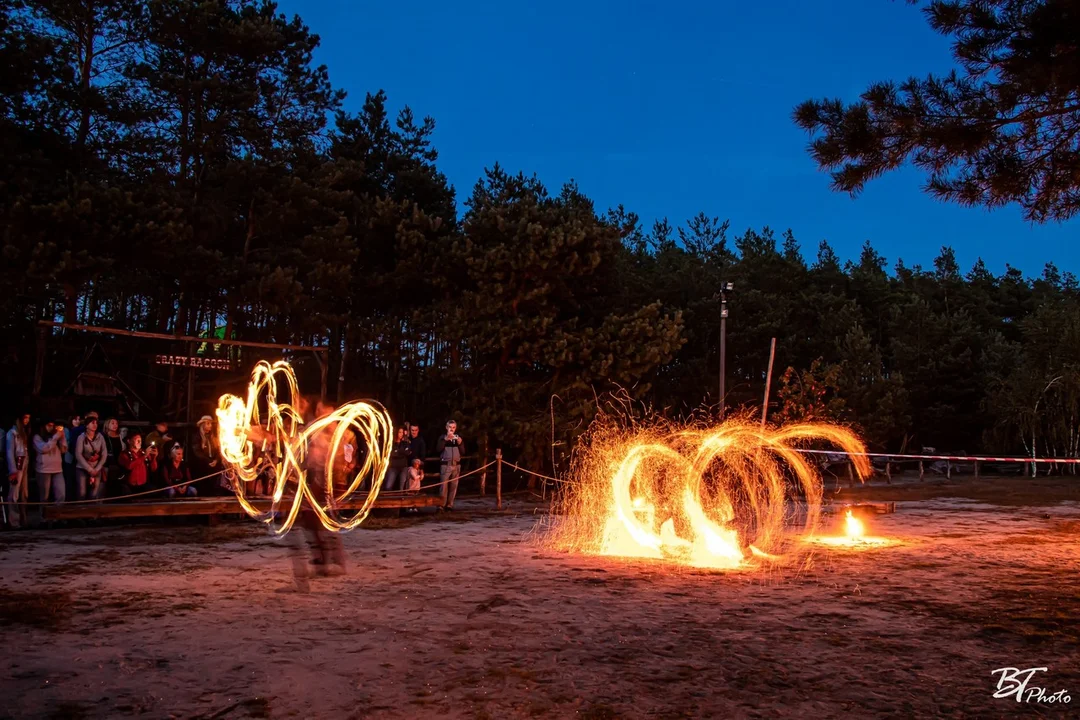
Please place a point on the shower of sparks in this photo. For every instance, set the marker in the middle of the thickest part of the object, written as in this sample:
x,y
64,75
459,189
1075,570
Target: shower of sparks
x,y
721,496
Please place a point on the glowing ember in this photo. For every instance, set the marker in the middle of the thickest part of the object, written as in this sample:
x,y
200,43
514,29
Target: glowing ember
x,y
707,497
284,446
854,526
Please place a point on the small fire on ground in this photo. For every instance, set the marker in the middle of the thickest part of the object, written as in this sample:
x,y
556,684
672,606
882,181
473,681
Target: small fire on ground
x,y
854,535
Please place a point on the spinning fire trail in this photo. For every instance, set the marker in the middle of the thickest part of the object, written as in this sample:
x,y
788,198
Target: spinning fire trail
x,y
266,433
705,497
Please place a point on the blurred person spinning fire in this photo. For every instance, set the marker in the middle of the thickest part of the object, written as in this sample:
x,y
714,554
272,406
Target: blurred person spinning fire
x,y
327,549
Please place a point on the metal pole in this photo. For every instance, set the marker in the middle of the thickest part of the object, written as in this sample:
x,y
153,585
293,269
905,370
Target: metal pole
x,y
723,356
768,382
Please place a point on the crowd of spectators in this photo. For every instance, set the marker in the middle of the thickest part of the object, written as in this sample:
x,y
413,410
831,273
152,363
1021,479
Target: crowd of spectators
x,y
82,458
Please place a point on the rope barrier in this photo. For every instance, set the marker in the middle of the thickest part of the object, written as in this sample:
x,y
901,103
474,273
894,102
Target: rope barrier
x,y
118,497
961,458
515,466
541,475
396,493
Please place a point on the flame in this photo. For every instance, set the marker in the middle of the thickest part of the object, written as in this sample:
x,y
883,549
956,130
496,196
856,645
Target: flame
x,y
854,526
282,443
712,497
854,535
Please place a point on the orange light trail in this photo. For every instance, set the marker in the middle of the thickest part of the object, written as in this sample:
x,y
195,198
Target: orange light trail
x,y
278,441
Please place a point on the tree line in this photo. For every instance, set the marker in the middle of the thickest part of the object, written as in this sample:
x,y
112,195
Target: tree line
x,y
184,167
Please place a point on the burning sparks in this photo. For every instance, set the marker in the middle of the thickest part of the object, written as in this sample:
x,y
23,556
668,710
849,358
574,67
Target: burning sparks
x,y
301,457
713,497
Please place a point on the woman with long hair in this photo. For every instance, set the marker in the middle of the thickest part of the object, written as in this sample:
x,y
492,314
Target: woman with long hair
x,y
17,446
206,458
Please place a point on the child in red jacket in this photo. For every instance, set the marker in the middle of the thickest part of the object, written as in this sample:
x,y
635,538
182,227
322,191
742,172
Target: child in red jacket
x,y
138,464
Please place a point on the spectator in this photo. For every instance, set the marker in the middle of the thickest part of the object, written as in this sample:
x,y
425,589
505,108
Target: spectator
x,y
206,456
114,445
345,462
50,446
416,477
71,435
77,432
159,439
177,476
417,446
398,472
450,447
18,470
90,456
137,464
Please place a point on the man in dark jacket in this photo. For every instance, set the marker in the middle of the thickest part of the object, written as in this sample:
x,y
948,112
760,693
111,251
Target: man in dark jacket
x,y
417,444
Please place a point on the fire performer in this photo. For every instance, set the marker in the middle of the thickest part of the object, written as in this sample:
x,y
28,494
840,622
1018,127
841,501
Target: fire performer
x,y
326,547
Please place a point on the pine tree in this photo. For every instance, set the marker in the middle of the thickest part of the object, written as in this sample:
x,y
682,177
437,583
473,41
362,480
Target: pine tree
x,y
1000,130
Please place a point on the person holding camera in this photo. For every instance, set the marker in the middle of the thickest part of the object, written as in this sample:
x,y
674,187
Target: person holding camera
x,y
450,448
138,464
50,446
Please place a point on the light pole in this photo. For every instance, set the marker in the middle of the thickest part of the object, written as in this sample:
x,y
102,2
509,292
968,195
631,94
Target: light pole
x,y
724,289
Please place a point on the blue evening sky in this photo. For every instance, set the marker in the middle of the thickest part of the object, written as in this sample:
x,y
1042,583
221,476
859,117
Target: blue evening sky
x,y
671,108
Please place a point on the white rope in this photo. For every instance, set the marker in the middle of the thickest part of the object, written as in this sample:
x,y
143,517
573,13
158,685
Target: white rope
x,y
117,497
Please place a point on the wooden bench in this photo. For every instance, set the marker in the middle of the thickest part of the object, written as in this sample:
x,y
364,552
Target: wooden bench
x,y
211,506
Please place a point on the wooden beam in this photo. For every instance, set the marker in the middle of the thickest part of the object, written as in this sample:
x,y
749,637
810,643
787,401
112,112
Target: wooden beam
x,y
210,506
188,338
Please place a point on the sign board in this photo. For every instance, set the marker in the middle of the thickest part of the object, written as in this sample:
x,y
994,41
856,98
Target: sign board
x,y
199,363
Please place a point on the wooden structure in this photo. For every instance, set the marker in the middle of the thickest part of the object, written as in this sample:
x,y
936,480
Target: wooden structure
x,y
863,508
322,353
210,506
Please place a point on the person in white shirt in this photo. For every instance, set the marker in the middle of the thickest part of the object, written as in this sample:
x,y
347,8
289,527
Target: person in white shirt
x,y
416,476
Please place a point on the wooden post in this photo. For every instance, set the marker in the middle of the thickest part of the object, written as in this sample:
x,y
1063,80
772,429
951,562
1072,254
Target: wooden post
x,y
922,471
768,382
888,472
39,363
483,473
324,363
851,473
498,478
948,470
191,388
976,469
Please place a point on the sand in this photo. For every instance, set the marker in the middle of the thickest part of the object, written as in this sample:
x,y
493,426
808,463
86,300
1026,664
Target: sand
x,y
465,616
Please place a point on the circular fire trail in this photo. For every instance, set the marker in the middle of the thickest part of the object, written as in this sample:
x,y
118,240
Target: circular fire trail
x,y
266,433
711,497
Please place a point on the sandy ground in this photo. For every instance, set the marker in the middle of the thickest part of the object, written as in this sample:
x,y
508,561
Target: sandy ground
x,y
467,617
